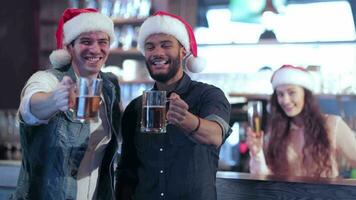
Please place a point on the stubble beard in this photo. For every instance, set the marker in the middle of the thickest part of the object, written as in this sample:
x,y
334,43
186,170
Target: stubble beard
x,y
173,68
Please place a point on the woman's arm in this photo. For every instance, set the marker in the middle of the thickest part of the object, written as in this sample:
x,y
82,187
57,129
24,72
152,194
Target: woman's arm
x,y
257,163
345,141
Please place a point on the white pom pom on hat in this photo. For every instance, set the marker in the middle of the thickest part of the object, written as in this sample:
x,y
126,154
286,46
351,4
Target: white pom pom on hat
x,y
195,64
73,23
163,22
289,74
60,57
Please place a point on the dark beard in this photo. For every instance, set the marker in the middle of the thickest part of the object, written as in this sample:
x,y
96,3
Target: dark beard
x,y
172,71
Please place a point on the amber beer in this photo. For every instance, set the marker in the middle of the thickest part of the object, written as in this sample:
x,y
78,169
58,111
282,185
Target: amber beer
x,y
255,116
87,107
87,99
153,119
256,124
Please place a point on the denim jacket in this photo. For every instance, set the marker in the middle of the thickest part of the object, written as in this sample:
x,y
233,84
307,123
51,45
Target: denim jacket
x,y
53,152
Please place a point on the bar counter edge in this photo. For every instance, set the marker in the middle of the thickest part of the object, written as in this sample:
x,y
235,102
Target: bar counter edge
x,y
235,185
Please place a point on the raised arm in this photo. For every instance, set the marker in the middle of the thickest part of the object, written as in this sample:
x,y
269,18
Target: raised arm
x,y
35,106
209,130
345,141
44,105
257,158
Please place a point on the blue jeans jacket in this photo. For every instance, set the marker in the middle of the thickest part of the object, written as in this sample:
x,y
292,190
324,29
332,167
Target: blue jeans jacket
x,y
52,152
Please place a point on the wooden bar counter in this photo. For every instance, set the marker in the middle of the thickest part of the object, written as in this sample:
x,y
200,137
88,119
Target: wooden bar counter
x,y
240,186
236,186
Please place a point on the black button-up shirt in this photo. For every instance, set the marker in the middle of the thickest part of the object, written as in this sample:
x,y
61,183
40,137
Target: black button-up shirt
x,y
173,165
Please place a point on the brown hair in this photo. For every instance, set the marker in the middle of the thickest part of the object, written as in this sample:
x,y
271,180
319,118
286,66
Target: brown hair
x,y
317,147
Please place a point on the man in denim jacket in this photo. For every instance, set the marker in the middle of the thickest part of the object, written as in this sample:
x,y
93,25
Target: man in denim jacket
x,y
63,158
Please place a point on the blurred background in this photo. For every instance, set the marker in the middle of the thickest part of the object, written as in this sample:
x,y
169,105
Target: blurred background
x,y
243,41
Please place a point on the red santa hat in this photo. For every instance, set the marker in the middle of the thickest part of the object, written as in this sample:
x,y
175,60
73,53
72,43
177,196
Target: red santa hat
x,y
163,22
73,23
289,74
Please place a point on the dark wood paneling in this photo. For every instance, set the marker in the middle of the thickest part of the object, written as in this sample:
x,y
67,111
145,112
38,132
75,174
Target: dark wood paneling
x,y
19,48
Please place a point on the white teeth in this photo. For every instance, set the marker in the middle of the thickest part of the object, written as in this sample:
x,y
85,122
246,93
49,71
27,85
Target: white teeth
x,y
93,59
160,62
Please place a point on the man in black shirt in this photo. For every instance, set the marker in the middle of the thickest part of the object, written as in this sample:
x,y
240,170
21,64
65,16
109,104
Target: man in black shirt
x,y
181,163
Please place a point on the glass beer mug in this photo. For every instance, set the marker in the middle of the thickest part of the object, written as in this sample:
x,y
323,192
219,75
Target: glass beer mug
x,y
153,119
254,112
87,99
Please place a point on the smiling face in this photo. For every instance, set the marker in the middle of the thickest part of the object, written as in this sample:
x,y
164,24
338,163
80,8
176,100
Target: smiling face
x,y
89,53
164,57
291,99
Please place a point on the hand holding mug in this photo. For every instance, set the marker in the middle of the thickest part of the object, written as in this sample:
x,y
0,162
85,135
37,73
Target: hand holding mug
x,y
61,94
178,109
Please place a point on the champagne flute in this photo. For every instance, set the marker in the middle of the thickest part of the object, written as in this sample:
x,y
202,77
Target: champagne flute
x,y
254,112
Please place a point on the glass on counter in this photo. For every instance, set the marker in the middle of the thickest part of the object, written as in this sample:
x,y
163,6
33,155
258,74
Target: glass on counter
x,y
10,147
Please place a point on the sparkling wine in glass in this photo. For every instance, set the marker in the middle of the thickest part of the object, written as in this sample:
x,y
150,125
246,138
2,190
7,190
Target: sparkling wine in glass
x,y
254,112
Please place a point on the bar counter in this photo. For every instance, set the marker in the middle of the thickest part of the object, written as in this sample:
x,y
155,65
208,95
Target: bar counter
x,y
9,171
239,186
244,186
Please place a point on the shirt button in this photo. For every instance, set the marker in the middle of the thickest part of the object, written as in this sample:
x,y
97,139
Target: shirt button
x,y
162,194
161,171
161,149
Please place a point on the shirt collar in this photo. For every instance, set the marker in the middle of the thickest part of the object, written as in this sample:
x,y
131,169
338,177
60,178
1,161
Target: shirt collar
x,y
182,86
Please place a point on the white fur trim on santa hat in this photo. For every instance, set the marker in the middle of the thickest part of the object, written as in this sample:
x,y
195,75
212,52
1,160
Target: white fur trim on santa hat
x,y
287,75
163,24
171,26
60,58
87,22
84,22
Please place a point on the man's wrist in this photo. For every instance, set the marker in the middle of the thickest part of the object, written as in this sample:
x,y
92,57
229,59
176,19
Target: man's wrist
x,y
197,127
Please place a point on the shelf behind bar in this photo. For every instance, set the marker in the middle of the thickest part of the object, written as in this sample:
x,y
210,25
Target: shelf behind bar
x,y
267,96
351,42
128,21
128,52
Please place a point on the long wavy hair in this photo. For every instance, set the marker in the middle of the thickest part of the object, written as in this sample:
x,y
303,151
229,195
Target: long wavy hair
x,y
317,145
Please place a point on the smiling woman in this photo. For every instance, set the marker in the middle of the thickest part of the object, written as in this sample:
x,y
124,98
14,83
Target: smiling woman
x,y
301,141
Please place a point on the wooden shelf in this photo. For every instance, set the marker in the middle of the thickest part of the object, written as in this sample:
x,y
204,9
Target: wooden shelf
x,y
250,95
267,96
129,52
114,51
117,21
128,21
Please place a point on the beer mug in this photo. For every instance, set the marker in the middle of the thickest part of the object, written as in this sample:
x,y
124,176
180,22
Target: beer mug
x,y
153,119
254,112
87,99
